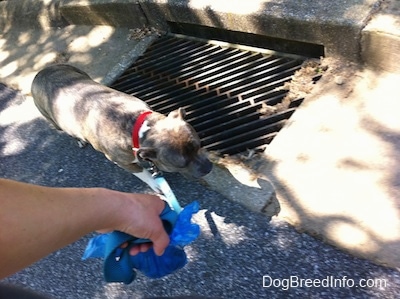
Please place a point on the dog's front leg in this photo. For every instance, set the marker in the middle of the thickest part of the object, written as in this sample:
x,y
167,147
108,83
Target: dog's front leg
x,y
139,172
146,177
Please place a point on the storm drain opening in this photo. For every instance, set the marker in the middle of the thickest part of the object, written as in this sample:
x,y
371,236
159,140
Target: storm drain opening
x,y
236,97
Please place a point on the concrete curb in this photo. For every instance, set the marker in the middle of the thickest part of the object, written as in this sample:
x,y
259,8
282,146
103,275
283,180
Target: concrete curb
x,y
335,25
381,39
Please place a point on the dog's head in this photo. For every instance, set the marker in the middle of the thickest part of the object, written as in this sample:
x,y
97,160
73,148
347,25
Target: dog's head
x,y
174,146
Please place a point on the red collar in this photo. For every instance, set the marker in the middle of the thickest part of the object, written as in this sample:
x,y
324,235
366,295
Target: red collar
x,y
135,130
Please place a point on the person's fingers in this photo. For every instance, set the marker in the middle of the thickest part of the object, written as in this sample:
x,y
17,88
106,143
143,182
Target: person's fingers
x,y
134,250
160,237
160,242
145,222
145,246
140,248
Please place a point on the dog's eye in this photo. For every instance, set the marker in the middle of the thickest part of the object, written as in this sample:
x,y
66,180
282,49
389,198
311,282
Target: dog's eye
x,y
191,149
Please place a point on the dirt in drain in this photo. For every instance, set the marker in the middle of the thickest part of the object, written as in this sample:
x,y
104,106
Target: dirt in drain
x,y
299,87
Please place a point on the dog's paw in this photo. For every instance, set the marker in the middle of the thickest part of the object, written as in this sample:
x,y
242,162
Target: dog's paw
x,y
81,143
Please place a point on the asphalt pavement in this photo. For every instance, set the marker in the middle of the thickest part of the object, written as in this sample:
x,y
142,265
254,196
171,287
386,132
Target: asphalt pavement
x,y
238,255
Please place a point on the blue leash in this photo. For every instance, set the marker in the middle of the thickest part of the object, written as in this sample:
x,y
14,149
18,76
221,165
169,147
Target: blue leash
x,y
169,195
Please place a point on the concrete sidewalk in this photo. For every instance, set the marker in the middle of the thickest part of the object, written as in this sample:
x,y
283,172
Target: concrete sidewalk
x,y
337,179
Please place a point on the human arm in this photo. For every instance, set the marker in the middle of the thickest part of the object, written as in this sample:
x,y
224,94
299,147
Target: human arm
x,y
37,220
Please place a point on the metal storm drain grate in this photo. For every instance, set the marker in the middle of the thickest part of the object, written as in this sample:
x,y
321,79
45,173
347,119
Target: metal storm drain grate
x,y
230,95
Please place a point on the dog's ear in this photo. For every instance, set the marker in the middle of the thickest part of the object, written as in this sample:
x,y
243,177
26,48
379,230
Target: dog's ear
x,y
178,113
147,153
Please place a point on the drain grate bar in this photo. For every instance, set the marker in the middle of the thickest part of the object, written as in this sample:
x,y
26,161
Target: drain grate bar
x,y
222,89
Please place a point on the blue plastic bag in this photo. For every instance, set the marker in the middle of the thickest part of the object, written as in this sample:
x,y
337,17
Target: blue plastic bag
x,y
119,265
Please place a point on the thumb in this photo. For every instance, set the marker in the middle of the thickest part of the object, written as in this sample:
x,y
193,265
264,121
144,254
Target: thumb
x,y
160,241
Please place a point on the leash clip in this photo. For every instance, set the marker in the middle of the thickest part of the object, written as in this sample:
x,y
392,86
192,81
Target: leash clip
x,y
162,184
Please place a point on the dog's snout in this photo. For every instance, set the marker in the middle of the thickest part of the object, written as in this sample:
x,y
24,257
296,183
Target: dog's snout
x,y
206,167
202,166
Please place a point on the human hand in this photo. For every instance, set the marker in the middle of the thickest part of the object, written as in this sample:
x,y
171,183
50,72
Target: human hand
x,y
139,215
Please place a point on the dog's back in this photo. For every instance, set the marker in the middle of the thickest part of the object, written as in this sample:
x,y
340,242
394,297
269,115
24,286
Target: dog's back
x,y
83,108
50,82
